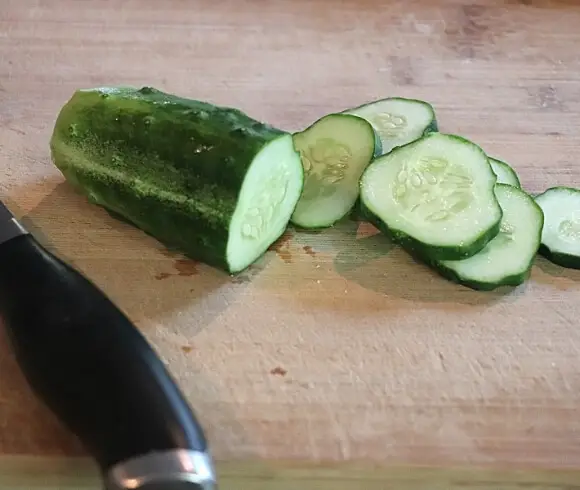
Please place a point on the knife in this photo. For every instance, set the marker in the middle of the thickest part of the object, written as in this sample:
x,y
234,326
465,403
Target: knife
x,y
97,373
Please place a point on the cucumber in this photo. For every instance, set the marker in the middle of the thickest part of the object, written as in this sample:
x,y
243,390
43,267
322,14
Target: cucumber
x,y
507,259
334,150
561,233
505,174
435,196
397,120
207,180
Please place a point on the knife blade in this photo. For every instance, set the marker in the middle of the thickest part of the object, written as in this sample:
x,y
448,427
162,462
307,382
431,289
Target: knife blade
x,y
90,365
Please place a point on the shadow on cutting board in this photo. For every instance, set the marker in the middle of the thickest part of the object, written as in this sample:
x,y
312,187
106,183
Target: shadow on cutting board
x,y
141,275
371,260
554,272
368,258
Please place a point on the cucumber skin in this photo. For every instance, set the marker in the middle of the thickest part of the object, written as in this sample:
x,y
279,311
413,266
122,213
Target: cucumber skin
x,y
420,250
562,259
106,138
513,280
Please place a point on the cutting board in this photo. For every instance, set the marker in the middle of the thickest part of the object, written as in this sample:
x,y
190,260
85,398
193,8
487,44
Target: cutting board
x,y
335,359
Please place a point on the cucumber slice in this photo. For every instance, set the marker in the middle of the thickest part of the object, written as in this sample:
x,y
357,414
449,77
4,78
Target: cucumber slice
x,y
335,150
211,181
507,259
435,196
505,174
561,233
397,120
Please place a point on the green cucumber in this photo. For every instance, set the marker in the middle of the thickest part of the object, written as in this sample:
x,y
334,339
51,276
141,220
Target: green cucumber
x,y
397,120
207,180
505,173
435,196
561,233
507,259
334,150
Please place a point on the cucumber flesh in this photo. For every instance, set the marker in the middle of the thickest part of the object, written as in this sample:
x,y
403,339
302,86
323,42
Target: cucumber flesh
x,y
267,198
397,120
561,233
435,196
508,258
335,151
505,173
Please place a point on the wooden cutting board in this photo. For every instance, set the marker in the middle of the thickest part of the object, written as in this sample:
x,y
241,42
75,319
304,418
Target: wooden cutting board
x,y
335,351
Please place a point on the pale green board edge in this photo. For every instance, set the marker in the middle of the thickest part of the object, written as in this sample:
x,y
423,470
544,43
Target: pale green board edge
x,y
67,474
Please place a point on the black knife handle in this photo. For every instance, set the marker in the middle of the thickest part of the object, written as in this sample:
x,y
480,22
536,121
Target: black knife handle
x,y
87,361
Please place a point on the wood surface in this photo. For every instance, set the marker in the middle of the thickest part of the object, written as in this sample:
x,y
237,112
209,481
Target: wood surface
x,y
335,348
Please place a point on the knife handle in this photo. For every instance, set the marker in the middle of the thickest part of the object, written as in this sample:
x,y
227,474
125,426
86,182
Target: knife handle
x,y
87,362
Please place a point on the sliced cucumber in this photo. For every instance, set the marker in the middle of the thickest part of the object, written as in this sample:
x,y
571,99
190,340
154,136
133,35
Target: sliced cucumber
x,y
435,196
561,233
397,120
335,151
507,259
505,174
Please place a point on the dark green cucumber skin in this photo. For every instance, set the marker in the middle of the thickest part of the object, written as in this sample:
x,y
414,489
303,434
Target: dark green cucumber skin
x,y
420,250
432,128
562,259
198,151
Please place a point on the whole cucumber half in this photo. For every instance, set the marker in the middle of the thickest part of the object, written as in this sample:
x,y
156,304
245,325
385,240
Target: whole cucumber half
x,y
208,180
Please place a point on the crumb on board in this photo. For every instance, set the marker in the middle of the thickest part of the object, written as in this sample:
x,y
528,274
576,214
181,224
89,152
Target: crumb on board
x,y
278,371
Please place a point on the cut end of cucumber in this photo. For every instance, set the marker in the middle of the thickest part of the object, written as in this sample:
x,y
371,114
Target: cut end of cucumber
x,y
561,233
268,196
334,151
398,121
437,191
505,174
507,258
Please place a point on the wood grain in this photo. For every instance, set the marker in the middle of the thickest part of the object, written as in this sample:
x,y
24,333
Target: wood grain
x,y
335,346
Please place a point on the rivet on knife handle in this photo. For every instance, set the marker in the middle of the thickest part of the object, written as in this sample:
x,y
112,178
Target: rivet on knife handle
x,y
92,367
